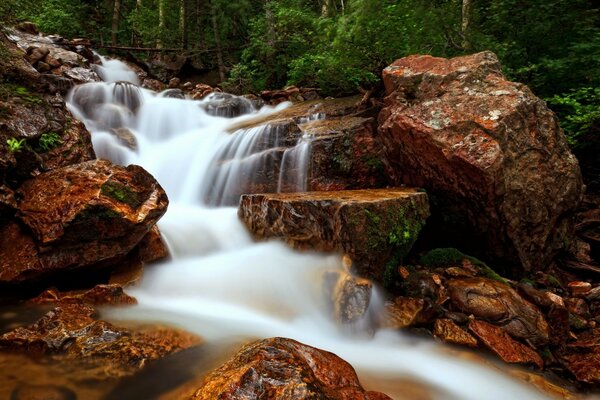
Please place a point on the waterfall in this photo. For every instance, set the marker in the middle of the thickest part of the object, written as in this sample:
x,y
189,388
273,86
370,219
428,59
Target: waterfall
x,y
218,282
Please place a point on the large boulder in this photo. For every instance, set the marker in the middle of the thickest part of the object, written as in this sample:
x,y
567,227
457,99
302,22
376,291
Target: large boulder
x,y
77,216
490,153
376,227
284,369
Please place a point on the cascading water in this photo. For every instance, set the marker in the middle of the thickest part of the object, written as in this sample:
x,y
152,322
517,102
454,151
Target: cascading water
x,y
219,283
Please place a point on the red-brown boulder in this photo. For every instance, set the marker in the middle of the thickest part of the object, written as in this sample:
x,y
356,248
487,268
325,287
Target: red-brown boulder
x,y
488,150
78,216
284,369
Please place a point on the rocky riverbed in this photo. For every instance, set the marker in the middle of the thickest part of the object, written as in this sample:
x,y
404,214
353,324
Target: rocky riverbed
x,y
455,156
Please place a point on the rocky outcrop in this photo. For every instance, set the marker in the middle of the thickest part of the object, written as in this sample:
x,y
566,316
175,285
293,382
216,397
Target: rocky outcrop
x,y
284,369
376,228
494,301
316,145
78,216
490,153
97,350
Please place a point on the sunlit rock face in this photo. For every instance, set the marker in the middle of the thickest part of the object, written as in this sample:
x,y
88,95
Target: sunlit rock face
x,y
285,369
77,216
374,227
488,150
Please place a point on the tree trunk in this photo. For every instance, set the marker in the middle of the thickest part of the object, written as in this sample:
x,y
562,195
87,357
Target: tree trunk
x,y
161,23
466,6
115,22
182,24
217,35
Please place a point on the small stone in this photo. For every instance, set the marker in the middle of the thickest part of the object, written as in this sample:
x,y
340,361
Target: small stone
x,y
503,345
403,312
579,289
449,332
403,272
577,306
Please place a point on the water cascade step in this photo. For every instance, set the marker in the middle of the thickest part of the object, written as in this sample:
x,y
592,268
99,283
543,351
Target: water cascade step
x,y
371,226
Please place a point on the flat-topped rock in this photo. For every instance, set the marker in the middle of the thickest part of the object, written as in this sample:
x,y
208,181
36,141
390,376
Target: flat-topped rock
x,y
375,227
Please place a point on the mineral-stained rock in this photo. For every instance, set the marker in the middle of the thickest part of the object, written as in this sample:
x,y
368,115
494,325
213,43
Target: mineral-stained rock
x,y
151,247
98,295
374,227
78,216
403,312
582,357
284,369
494,301
70,331
449,332
491,154
503,345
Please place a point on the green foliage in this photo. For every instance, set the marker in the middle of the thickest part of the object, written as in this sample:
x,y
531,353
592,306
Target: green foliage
x,y
49,141
122,193
579,115
24,94
15,145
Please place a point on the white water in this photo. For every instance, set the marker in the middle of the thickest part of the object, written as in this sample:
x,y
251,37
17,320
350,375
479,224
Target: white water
x,y
222,285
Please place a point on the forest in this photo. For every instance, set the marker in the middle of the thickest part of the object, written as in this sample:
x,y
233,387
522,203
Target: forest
x,y
341,46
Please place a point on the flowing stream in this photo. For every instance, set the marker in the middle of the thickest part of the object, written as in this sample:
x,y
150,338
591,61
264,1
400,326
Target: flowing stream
x,y
219,283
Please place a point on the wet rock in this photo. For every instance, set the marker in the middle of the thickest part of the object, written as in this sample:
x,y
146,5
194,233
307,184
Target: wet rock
x,y
42,392
350,296
503,345
173,94
71,332
404,312
582,357
152,247
284,369
74,146
79,216
579,288
374,227
499,303
28,27
227,105
126,137
447,331
81,75
490,152
98,295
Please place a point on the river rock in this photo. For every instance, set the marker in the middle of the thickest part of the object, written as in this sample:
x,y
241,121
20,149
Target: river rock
x,y
374,227
447,331
582,357
97,348
98,295
350,296
503,345
78,216
404,312
489,151
495,301
284,369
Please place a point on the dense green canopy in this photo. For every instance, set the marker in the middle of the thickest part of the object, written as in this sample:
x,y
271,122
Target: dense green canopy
x,y
340,46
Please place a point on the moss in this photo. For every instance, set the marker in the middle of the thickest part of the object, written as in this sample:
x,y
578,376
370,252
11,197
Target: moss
x,y
396,229
449,256
576,322
553,281
8,90
121,193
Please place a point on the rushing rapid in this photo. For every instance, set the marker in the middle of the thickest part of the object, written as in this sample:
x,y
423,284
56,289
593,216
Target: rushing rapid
x,y
218,282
